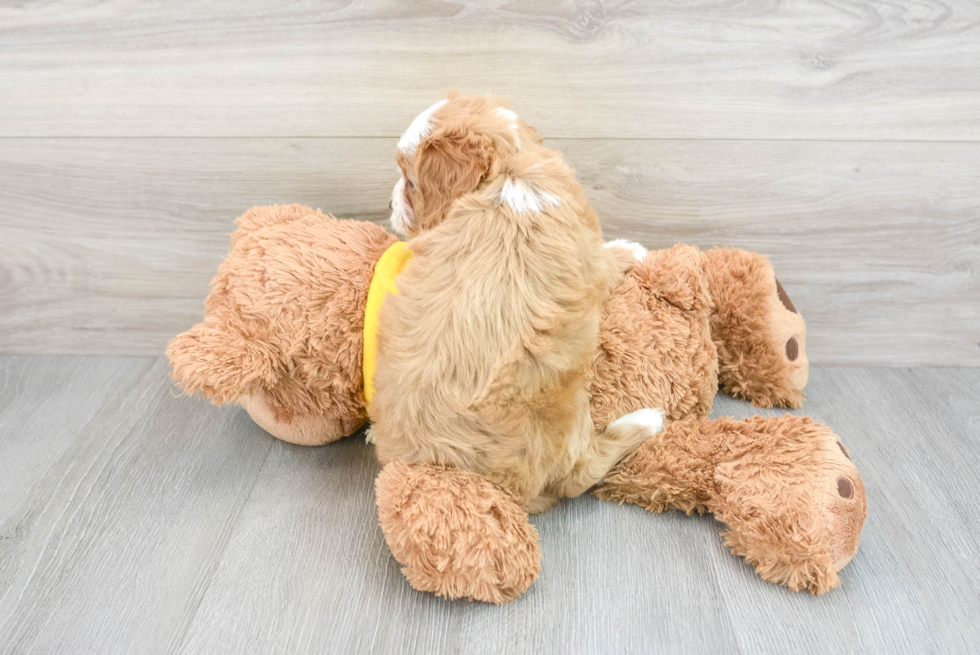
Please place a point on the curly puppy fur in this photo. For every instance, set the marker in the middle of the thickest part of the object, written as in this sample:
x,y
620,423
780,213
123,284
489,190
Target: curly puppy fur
x,y
284,323
793,502
483,354
457,534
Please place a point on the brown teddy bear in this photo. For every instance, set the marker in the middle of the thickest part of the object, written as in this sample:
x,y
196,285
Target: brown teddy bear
x,y
284,336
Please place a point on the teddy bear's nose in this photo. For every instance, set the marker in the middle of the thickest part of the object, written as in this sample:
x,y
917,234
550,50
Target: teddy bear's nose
x,y
845,488
792,349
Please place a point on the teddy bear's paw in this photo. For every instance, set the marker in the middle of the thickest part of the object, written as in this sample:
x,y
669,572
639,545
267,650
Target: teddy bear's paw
x,y
795,569
793,501
456,534
759,335
787,340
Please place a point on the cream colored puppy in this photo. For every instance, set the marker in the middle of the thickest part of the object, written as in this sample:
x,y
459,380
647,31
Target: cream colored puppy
x,y
482,355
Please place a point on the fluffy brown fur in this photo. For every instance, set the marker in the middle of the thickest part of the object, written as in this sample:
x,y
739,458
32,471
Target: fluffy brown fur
x,y
284,323
792,500
282,336
483,354
773,481
655,340
457,534
752,326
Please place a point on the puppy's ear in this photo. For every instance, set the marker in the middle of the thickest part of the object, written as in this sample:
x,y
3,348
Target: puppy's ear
x,y
448,166
535,135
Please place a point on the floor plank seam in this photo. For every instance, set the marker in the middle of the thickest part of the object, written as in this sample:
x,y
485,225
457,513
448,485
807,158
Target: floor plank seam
x,y
393,138
179,644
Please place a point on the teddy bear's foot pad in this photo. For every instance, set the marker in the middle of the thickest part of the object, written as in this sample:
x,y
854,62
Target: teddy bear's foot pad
x,y
457,534
302,430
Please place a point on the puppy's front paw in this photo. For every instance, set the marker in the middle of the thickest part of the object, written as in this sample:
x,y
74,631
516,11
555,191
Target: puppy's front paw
x,y
636,428
649,418
635,249
627,253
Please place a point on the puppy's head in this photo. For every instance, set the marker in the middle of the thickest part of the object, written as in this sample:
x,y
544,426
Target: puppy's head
x,y
448,151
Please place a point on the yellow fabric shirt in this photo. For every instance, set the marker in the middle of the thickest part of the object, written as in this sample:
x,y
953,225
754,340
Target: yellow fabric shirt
x,y
392,262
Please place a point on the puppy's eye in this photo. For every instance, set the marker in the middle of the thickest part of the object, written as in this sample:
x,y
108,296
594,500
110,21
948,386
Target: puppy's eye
x,y
411,185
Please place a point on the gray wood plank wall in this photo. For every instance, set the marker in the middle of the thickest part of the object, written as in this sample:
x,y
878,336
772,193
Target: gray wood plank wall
x,y
843,140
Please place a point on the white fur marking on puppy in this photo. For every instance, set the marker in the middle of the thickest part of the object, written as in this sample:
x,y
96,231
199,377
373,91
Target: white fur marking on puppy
x,y
639,252
402,215
512,117
507,113
419,129
523,197
647,417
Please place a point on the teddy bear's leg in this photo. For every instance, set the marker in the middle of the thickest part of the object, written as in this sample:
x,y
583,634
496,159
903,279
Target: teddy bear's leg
x,y
793,502
760,337
457,534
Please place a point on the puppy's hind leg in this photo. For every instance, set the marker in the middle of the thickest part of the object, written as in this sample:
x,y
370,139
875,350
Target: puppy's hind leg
x,y
622,437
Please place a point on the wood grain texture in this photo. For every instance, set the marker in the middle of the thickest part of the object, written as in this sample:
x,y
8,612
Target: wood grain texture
x,y
107,245
124,520
43,405
165,525
804,70
335,583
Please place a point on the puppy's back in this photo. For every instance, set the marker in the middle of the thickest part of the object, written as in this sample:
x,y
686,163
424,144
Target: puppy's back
x,y
483,353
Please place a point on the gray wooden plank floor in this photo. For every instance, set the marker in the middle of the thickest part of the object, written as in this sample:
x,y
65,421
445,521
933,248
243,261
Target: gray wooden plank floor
x,y
134,520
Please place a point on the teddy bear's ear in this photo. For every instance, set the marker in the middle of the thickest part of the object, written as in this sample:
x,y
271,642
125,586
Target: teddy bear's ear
x,y
449,165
